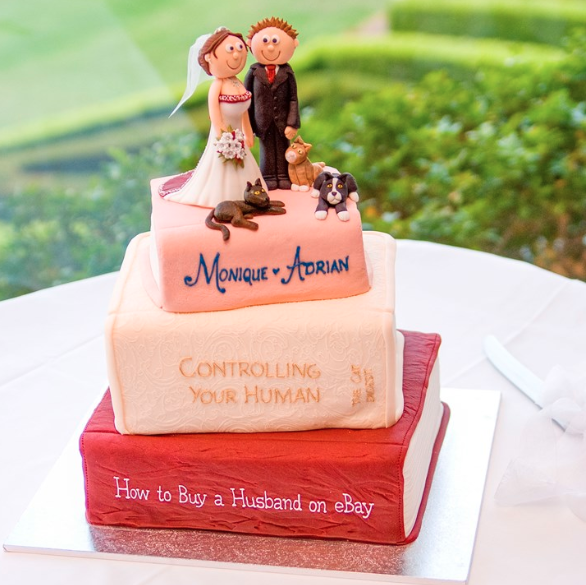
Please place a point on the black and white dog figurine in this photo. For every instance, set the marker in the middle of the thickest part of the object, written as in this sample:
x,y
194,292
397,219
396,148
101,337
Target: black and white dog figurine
x,y
333,189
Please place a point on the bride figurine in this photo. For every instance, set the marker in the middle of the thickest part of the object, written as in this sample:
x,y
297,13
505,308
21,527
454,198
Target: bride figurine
x,y
226,164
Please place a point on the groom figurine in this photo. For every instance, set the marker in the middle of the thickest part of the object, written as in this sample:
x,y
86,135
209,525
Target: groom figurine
x,y
274,111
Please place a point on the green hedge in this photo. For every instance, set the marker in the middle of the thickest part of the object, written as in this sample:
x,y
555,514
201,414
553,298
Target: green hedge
x,y
409,56
48,237
536,21
496,163
401,56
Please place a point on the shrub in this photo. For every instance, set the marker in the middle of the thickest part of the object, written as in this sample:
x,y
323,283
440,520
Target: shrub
x,y
496,163
56,236
408,56
533,21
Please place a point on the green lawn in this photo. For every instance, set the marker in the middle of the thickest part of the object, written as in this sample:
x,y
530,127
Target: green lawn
x,y
68,64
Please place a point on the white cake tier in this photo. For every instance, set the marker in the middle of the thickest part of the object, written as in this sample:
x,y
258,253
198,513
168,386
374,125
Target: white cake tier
x,y
280,367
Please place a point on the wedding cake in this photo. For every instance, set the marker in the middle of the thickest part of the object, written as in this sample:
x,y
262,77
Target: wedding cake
x,y
258,383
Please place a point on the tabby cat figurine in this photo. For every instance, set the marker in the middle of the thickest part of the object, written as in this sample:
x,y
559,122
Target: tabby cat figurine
x,y
238,213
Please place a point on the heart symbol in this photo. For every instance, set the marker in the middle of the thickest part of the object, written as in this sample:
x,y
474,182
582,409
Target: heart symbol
x,y
276,271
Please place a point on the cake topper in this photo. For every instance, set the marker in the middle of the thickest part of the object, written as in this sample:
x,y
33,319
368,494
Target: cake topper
x,y
333,189
302,171
221,55
238,213
274,114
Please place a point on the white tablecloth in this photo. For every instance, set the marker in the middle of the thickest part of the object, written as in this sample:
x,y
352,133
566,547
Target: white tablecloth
x,y
52,369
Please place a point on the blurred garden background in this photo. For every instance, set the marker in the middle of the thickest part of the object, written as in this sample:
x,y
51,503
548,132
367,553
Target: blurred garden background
x,y
464,121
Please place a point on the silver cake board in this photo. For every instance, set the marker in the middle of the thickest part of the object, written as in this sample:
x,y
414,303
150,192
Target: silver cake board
x,y
54,522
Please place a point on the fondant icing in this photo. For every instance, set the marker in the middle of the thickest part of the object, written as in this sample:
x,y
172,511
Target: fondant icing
x,y
291,257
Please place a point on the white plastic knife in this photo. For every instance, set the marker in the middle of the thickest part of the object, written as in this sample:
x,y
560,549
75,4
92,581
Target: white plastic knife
x,y
518,374
514,370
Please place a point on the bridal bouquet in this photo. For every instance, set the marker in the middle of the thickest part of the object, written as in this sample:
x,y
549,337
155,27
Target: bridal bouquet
x,y
230,147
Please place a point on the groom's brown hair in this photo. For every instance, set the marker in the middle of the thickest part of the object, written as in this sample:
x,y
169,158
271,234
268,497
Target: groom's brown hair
x,y
273,21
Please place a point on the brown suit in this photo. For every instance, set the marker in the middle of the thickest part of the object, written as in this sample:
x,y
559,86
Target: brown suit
x,y
274,107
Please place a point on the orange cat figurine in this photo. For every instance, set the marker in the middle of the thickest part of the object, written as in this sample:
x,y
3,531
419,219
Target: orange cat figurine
x,y
302,171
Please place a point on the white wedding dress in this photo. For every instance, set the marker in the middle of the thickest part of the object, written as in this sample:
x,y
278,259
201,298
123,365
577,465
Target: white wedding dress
x,y
214,179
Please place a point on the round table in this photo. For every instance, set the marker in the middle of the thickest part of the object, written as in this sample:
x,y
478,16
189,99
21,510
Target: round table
x,y
52,369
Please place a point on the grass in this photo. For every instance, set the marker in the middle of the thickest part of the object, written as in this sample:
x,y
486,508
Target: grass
x,y
85,77
79,62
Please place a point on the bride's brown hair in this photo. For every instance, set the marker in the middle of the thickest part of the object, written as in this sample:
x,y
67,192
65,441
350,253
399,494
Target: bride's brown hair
x,y
210,46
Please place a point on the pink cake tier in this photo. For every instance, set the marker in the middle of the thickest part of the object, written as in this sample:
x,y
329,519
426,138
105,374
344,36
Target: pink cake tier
x,y
364,485
291,257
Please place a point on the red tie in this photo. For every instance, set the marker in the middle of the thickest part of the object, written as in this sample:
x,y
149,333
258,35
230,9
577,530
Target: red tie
x,y
270,69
